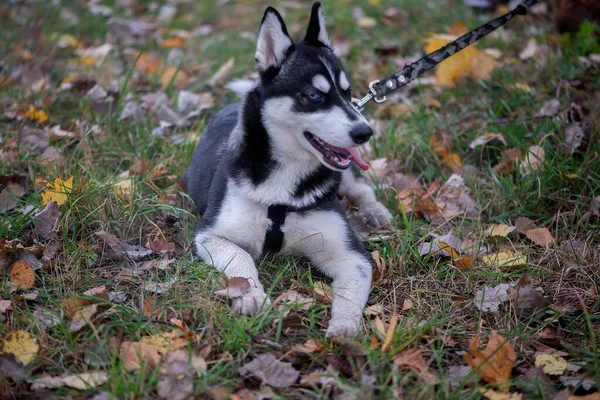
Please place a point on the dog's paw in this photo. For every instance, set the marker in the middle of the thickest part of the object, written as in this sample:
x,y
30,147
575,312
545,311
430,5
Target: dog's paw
x,y
343,327
252,302
375,214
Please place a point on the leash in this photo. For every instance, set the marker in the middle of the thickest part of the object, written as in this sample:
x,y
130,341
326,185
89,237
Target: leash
x,y
379,89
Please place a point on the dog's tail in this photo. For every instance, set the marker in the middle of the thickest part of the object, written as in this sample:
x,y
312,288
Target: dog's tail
x,y
241,86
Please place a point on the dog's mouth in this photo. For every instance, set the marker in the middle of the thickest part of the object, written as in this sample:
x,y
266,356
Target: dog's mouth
x,y
337,157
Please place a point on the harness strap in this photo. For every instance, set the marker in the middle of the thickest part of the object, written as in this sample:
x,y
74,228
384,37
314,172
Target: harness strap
x,y
274,235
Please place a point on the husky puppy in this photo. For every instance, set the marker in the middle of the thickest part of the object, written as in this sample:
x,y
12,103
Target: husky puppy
x,y
267,171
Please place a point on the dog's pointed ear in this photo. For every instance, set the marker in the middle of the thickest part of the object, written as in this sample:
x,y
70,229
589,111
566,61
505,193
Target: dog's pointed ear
x,y
316,34
273,43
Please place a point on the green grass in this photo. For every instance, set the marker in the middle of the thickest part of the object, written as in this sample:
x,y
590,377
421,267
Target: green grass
x,y
442,318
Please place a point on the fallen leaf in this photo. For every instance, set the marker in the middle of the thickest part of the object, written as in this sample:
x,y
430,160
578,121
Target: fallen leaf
x,y
83,381
123,250
12,367
22,275
177,380
173,74
148,63
493,395
407,304
348,347
58,191
504,259
222,73
309,347
5,305
46,221
236,287
550,108
321,378
271,371
468,62
523,224
490,298
22,345
533,161
499,230
593,396
160,245
495,363
136,355
389,335
159,287
173,43
411,358
486,138
82,318
540,236
528,301
529,51
94,56
551,364
322,292
38,116
454,199
9,197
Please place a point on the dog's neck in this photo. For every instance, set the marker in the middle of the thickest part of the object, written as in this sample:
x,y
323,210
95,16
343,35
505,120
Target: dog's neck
x,y
270,173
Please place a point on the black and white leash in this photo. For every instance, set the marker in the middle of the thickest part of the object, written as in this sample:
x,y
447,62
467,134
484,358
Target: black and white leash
x,y
379,89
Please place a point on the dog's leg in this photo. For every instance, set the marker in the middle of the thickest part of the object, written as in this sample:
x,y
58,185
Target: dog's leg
x,y
326,238
361,193
230,259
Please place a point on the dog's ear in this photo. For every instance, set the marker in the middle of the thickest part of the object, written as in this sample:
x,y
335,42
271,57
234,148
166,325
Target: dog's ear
x,y
316,34
273,43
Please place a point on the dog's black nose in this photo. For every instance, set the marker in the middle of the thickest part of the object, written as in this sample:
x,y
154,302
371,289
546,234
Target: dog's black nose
x,y
361,133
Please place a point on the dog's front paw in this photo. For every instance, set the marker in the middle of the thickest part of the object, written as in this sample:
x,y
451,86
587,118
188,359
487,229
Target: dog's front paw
x,y
375,214
252,302
343,327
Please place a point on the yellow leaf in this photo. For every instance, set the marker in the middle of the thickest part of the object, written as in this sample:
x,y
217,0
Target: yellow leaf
x,y
504,259
167,341
57,191
452,161
499,230
179,77
36,115
468,62
173,43
551,364
493,395
22,345
453,253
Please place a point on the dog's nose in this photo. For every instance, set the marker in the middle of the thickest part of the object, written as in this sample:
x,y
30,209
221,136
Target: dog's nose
x,y
361,133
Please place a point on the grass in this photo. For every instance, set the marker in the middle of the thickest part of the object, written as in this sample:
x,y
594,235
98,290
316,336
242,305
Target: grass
x,y
442,318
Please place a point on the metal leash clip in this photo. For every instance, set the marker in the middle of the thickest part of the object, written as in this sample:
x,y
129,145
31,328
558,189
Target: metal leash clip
x,y
359,103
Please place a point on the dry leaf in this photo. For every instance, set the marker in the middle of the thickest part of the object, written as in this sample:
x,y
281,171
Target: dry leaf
x,y
82,318
468,62
166,341
85,380
322,292
493,395
38,116
173,43
9,197
177,380
540,236
58,191
236,287
551,364
523,224
21,344
490,298
46,221
533,161
413,359
389,335
137,354
407,304
486,138
22,275
309,347
495,363
148,63
178,76
222,73
504,259
271,371
499,230
529,50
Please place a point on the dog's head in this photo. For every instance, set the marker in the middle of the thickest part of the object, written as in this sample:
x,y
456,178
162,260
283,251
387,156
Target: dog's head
x,y
307,104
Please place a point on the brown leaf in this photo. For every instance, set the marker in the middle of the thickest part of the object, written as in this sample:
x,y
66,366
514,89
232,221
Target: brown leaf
x,y
540,236
160,245
495,363
412,359
236,287
529,301
523,224
389,335
22,275
140,166
46,221
271,371
177,380
148,306
349,347
83,317
135,355
9,197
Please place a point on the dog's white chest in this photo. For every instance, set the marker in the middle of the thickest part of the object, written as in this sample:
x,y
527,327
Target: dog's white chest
x,y
242,221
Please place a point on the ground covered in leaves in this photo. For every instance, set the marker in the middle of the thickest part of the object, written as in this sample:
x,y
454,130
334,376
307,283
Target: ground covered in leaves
x,y
486,288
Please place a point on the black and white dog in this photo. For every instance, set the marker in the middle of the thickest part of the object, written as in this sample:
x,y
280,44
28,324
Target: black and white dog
x,y
267,172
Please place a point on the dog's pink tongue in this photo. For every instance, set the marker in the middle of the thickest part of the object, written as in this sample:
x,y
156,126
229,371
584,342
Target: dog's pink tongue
x,y
357,158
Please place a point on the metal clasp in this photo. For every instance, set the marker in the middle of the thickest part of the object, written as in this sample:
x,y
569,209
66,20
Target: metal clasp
x,y
359,103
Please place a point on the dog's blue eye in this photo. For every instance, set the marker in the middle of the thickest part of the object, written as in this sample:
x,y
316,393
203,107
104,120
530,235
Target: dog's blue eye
x,y
315,96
